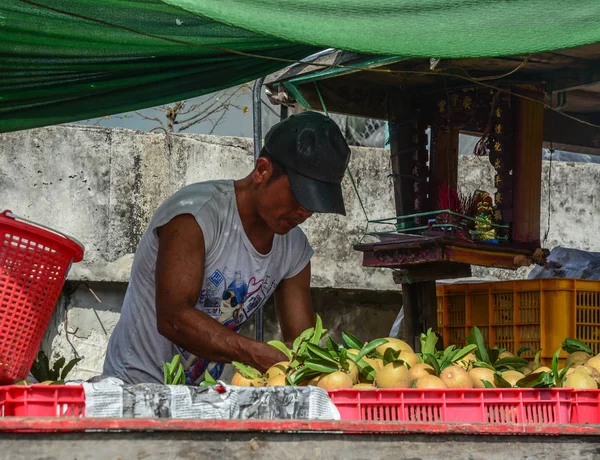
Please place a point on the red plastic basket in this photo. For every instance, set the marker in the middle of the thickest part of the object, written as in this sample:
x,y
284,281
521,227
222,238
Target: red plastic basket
x,y
586,407
42,401
510,405
34,262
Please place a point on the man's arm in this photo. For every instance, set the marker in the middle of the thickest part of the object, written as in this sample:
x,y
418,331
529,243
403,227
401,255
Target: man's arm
x,y
179,277
293,305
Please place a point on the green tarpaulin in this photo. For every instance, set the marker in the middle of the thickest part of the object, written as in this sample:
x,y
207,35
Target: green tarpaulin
x,y
66,60
75,59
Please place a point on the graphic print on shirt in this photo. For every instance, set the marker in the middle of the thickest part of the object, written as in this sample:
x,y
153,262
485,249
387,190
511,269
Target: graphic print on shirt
x,y
231,300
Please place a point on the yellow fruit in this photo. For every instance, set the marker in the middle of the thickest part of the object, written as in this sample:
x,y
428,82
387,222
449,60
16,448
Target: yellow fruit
x,y
314,381
409,358
394,344
259,382
541,369
353,372
580,381
570,370
594,362
420,370
375,363
240,381
478,374
363,386
335,381
589,370
430,381
579,358
277,369
277,381
512,377
393,375
467,362
456,377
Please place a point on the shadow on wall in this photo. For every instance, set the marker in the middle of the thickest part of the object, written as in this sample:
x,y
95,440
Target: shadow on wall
x,y
81,326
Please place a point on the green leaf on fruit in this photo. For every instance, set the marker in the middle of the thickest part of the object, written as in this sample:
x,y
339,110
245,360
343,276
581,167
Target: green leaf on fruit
x,y
522,350
501,382
476,338
487,384
282,347
537,380
371,346
573,345
352,341
317,352
320,366
246,371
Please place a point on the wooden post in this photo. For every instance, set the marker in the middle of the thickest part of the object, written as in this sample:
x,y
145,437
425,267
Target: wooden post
x,y
527,196
404,150
444,160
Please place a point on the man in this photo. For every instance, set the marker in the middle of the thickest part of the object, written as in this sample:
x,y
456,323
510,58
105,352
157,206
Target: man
x,y
216,251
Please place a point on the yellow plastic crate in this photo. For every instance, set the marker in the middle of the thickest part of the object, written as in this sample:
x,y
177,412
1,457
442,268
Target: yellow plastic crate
x,y
537,314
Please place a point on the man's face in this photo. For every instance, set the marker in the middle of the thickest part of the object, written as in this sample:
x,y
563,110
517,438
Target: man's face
x,y
277,205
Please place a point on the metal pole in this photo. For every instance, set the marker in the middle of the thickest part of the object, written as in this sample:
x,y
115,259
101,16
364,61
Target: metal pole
x,y
257,122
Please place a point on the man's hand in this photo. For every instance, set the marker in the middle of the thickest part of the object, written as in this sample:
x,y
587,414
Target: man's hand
x,y
179,278
293,305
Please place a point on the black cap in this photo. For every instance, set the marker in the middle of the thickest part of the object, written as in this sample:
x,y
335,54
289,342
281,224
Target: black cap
x,y
315,155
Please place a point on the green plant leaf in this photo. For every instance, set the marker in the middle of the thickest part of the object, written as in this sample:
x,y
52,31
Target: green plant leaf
x,y
166,374
332,345
511,361
538,380
429,341
433,362
343,358
522,350
368,348
390,355
487,384
282,347
321,366
562,375
179,375
303,337
555,363
493,355
209,381
501,382
484,365
367,371
316,337
352,341
58,364
462,352
476,338
246,371
70,365
536,360
573,345
317,352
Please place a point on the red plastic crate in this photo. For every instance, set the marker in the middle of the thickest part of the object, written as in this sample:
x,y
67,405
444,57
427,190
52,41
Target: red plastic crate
x,y
42,401
511,405
586,407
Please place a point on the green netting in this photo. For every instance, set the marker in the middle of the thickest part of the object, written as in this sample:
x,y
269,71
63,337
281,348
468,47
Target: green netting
x,y
67,60
415,28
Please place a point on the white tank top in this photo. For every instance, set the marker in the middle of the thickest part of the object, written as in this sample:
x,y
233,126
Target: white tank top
x,y
237,281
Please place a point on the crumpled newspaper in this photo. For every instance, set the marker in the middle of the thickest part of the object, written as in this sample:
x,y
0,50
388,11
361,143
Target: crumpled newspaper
x,y
111,398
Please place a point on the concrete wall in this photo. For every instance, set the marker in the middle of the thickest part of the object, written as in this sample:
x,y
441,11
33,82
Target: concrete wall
x,y
102,186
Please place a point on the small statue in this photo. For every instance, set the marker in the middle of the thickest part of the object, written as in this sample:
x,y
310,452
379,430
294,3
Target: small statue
x,y
484,219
